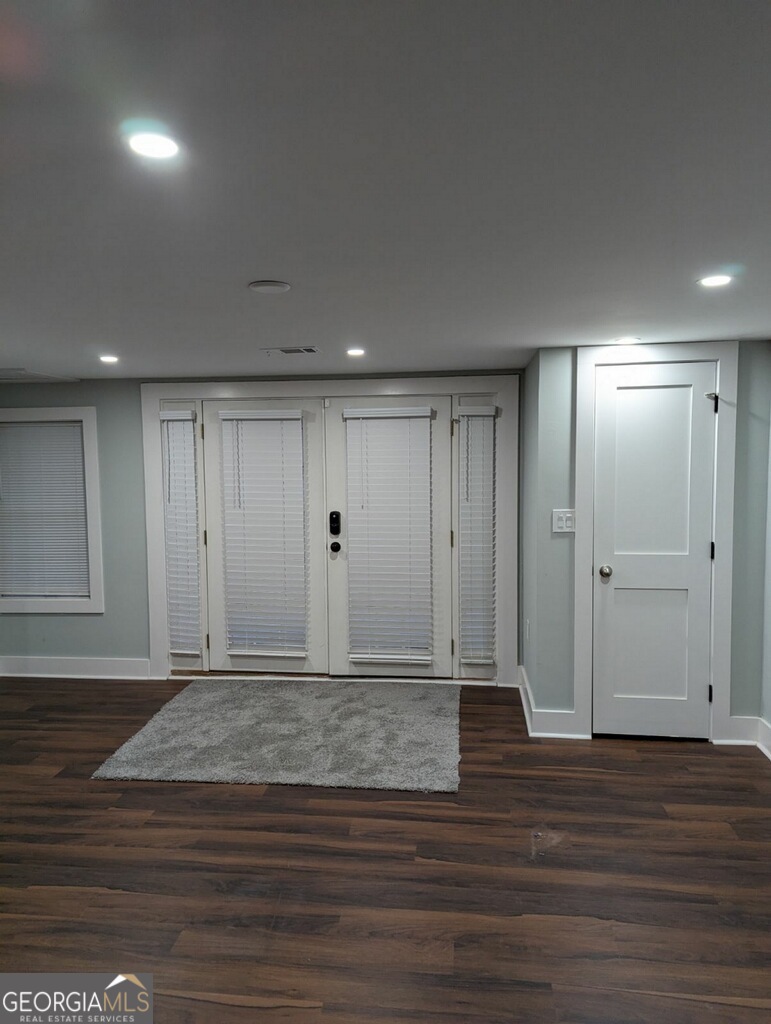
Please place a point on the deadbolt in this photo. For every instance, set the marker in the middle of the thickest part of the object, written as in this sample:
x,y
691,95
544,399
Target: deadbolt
x,y
606,571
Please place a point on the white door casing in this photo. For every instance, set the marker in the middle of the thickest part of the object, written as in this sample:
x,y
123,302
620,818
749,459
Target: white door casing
x,y
480,391
653,523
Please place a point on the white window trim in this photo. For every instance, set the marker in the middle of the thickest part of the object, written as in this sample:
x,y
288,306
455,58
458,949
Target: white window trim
x,y
86,416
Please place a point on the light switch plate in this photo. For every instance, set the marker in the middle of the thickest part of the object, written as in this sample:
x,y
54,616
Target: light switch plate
x,y
563,520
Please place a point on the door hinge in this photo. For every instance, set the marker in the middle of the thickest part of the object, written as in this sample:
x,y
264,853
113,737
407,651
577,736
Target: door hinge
x,y
205,541
710,693
452,647
452,428
207,641
202,431
715,398
712,551
452,538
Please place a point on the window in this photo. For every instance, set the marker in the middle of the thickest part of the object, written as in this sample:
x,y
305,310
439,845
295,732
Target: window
x,y
180,506
390,563
477,535
50,539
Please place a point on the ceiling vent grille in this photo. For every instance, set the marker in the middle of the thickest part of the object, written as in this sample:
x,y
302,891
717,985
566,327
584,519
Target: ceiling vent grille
x,y
18,375
293,350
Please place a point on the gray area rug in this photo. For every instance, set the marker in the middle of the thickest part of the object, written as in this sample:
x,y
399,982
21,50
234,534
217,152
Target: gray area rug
x,y
362,735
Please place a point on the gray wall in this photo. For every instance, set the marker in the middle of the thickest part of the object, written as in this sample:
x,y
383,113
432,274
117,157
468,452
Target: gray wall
x,y
548,429
122,630
765,706
750,507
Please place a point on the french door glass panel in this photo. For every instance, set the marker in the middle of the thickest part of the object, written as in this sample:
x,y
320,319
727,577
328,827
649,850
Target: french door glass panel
x,y
390,583
265,540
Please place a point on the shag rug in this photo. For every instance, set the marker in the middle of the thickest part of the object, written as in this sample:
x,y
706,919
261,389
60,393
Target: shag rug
x,y
362,735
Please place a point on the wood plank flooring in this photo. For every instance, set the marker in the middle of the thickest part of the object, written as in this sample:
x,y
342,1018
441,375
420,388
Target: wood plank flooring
x,y
608,882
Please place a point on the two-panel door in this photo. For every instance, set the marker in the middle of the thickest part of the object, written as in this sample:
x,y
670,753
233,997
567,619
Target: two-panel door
x,y
654,466
294,589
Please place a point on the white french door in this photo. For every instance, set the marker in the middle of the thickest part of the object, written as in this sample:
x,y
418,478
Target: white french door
x,y
390,577
654,466
343,536
266,545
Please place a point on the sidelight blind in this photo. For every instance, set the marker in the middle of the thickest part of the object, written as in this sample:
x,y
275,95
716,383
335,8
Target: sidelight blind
x,y
390,612
180,507
477,535
264,532
43,519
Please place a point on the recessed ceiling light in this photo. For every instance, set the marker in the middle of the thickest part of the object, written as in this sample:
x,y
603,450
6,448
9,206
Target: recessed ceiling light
x,y
109,359
355,351
269,287
715,280
154,145
626,340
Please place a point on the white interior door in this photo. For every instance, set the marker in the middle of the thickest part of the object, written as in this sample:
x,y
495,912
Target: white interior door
x,y
266,544
654,465
390,582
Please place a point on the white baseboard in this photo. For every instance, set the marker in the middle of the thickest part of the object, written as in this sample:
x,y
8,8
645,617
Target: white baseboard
x,y
545,723
76,668
737,729
764,737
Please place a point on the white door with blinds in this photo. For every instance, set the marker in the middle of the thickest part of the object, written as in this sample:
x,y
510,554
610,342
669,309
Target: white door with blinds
x,y
390,579
266,547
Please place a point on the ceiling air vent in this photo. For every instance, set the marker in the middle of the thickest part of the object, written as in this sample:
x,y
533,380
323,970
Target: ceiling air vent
x,y
18,375
293,350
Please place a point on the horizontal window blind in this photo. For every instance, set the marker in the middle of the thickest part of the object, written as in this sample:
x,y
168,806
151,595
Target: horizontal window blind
x,y
180,508
477,536
390,612
43,518
265,533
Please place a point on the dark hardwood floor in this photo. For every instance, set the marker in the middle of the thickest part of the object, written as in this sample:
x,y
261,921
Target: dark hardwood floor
x,y
567,882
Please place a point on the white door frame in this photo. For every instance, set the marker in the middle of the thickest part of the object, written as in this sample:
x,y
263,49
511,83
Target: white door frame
x,y
724,726
504,386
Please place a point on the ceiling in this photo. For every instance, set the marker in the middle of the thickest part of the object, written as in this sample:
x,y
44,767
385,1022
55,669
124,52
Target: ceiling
x,y
448,184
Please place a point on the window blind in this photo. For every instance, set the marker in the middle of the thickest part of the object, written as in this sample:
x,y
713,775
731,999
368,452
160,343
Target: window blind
x,y
265,532
180,508
390,612
43,519
477,535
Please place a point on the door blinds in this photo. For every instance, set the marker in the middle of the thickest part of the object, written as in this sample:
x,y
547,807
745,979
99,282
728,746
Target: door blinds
x,y
390,615
180,508
264,532
477,535
43,523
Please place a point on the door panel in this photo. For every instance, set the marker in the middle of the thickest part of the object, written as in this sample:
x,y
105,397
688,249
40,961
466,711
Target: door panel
x,y
265,551
388,474
654,455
